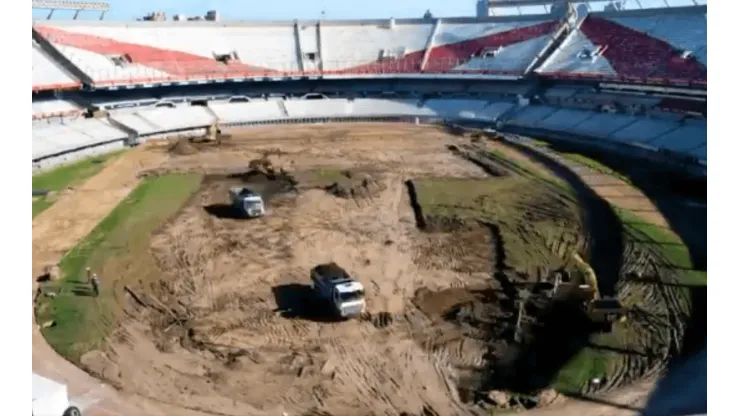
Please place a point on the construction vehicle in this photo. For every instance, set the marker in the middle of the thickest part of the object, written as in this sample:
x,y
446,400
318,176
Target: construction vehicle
x,y
50,398
605,312
333,285
246,202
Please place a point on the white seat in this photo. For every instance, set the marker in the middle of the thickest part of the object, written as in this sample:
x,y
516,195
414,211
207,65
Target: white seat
x,y
47,74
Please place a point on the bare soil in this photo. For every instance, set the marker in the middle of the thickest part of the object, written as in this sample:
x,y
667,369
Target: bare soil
x,y
231,333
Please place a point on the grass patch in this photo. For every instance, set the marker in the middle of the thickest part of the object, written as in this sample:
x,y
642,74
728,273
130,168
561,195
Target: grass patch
x,y
532,170
520,206
595,165
589,362
485,199
584,366
67,176
40,204
539,143
673,250
119,242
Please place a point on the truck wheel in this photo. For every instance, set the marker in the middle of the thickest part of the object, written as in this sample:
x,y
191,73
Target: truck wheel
x,y
72,411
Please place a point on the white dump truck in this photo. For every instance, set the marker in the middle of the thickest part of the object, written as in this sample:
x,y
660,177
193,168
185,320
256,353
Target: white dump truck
x,y
50,398
333,284
247,202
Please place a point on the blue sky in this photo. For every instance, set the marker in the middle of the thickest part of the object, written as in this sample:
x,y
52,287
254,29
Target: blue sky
x,y
298,9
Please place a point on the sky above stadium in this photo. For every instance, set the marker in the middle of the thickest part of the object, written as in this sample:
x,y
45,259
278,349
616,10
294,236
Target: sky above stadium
x,y
307,9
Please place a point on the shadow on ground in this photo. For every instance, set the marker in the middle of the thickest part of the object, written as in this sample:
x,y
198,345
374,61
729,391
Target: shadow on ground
x,y
683,390
680,200
223,211
604,228
299,301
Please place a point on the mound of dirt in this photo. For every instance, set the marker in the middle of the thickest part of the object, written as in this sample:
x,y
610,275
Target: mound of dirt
x,y
183,147
263,164
354,185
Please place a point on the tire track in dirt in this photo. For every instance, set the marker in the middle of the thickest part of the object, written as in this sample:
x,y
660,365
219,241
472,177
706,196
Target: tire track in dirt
x,y
390,389
57,230
660,320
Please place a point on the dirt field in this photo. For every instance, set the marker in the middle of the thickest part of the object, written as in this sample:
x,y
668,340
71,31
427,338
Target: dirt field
x,y
445,234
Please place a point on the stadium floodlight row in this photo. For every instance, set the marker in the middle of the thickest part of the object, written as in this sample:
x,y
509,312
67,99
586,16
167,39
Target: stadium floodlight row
x,y
652,46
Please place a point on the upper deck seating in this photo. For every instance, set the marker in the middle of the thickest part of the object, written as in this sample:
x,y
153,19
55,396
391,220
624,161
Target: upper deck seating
x,y
151,52
507,47
374,48
666,45
145,52
47,74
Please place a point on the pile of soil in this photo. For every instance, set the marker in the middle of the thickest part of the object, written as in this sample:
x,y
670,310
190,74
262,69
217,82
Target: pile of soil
x,y
354,185
263,164
183,147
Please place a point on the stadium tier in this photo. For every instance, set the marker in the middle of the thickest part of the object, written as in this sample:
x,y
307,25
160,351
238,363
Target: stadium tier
x,y
147,52
46,74
663,45
59,140
659,45
559,76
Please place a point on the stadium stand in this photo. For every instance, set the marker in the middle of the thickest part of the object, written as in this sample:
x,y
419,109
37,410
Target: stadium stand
x,y
165,119
663,44
673,134
631,82
61,142
54,108
486,70
47,74
148,52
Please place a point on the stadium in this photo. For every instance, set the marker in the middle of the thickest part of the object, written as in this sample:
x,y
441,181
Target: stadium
x,y
521,198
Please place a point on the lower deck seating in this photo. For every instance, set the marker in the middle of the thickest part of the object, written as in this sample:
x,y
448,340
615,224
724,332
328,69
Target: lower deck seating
x,y
165,119
59,138
670,133
54,108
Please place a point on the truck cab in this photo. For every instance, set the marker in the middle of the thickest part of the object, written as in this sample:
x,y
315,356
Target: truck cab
x,y
333,284
247,202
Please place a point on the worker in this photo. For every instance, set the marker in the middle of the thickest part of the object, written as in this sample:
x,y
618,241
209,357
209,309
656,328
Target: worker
x,y
87,272
95,282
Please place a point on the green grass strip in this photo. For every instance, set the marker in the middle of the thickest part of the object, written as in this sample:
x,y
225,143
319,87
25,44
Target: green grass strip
x,y
82,323
66,176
